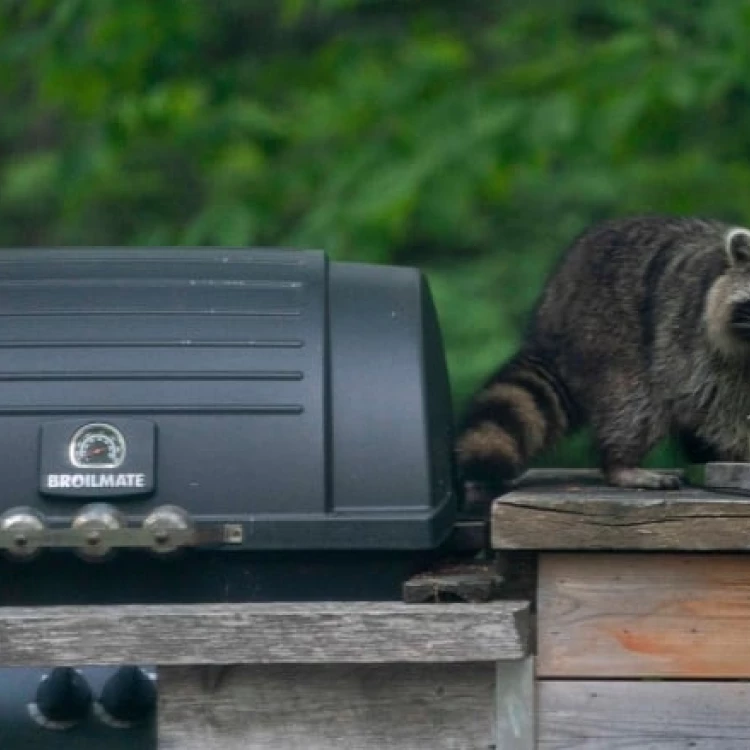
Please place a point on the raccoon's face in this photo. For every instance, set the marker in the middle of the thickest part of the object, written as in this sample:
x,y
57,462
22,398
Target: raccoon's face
x,y
727,311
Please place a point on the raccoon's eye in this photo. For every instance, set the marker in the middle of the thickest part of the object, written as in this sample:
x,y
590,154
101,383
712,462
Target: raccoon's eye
x,y
740,319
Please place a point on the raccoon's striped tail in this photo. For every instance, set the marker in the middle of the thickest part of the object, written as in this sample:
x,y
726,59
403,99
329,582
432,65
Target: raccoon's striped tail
x,y
523,409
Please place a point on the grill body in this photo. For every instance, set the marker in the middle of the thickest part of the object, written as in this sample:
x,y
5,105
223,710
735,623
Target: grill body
x,y
295,412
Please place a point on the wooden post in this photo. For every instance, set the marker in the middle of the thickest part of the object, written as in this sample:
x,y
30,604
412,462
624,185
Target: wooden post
x,y
516,704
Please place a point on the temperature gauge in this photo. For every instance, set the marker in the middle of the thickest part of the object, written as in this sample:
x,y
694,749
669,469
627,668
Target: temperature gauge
x,y
97,446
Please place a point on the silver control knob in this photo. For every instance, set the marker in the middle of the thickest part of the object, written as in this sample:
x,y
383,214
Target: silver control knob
x,y
170,528
92,523
19,527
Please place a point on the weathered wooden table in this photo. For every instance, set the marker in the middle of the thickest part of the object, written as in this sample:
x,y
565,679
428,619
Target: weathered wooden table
x,y
642,612
627,628
355,676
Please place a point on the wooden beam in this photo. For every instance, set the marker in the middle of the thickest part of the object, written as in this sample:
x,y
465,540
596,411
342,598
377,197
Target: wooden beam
x,y
647,615
643,715
330,707
566,510
263,633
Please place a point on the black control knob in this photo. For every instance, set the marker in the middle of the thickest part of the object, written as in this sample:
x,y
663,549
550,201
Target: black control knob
x,y
128,696
63,698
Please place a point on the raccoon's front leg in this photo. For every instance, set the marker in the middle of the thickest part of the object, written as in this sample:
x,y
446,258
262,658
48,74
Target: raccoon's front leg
x,y
626,429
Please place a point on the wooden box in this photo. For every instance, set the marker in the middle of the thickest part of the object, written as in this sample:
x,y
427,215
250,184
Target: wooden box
x,y
642,612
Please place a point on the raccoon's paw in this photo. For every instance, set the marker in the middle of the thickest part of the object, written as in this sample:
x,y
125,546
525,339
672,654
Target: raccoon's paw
x,y
643,479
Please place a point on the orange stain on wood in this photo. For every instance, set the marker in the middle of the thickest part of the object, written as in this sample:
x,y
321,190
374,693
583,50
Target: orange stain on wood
x,y
642,643
677,653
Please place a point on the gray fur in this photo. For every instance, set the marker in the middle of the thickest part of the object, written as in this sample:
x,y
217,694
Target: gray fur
x,y
636,322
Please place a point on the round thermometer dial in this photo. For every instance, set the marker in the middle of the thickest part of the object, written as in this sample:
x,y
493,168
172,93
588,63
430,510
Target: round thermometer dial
x,y
97,446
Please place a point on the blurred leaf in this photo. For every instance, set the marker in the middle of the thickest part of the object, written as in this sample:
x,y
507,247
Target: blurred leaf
x,y
28,179
473,139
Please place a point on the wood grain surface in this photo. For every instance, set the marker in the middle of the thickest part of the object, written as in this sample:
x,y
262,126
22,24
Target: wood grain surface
x,y
619,715
644,615
330,707
263,633
575,510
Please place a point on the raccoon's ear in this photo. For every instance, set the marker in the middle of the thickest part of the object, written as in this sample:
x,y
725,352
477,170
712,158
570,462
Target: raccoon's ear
x,y
737,245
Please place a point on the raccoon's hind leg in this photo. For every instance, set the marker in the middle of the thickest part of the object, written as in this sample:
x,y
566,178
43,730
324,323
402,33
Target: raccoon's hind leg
x,y
627,425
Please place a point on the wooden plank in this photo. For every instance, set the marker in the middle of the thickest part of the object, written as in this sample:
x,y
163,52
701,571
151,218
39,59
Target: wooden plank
x,y
330,707
617,715
565,510
644,615
516,709
263,633
467,582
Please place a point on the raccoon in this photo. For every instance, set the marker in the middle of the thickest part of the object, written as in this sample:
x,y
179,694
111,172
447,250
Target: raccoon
x,y
642,330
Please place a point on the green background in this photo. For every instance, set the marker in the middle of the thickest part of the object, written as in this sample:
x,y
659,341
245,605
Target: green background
x,y
472,139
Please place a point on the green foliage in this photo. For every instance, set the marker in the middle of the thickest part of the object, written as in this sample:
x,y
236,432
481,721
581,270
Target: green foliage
x,y
473,139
